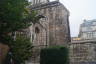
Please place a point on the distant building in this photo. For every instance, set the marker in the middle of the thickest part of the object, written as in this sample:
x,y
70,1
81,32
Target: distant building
x,y
75,39
83,48
88,29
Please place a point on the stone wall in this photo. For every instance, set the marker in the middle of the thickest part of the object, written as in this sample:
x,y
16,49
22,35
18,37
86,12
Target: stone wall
x,y
54,28
3,52
83,53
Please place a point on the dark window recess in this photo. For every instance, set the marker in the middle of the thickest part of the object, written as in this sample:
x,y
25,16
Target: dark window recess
x,y
37,30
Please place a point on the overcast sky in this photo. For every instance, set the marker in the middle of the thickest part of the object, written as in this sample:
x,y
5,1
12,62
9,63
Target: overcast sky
x,y
79,10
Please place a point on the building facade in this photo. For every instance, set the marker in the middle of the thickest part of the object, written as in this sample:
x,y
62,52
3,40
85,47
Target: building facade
x,y
54,28
88,29
83,47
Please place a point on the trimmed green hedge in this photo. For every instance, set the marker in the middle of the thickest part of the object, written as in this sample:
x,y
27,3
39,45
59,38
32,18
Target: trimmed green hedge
x,y
54,55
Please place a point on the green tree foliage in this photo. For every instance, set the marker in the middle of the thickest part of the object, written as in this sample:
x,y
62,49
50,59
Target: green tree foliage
x,y
14,15
21,49
54,55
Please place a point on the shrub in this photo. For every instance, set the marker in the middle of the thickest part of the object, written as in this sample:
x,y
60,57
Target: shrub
x,y
54,55
21,50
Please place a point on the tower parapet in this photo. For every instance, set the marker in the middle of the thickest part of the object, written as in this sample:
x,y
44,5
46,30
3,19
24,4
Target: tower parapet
x,y
35,2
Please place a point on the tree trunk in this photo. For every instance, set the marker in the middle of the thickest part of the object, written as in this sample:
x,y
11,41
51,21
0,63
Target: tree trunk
x,y
3,52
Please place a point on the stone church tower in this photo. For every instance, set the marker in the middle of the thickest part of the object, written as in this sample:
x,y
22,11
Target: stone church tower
x,y
54,28
34,2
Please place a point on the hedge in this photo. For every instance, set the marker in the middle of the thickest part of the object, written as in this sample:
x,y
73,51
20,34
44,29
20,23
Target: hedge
x,y
54,55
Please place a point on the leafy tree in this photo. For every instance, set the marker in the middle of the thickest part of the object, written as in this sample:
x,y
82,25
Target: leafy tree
x,y
22,49
15,15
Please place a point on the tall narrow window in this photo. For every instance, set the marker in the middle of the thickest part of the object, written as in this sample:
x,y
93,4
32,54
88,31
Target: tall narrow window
x,y
37,30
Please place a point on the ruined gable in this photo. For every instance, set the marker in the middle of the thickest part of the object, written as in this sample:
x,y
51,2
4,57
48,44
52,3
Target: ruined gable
x,y
55,25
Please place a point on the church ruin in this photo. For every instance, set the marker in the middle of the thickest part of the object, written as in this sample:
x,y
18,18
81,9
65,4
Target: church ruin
x,y
53,28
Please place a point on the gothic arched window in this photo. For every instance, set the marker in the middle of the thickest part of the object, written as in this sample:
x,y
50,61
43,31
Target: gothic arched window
x,y
37,30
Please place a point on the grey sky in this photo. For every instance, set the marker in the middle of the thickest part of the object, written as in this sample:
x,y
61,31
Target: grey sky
x,y
79,10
